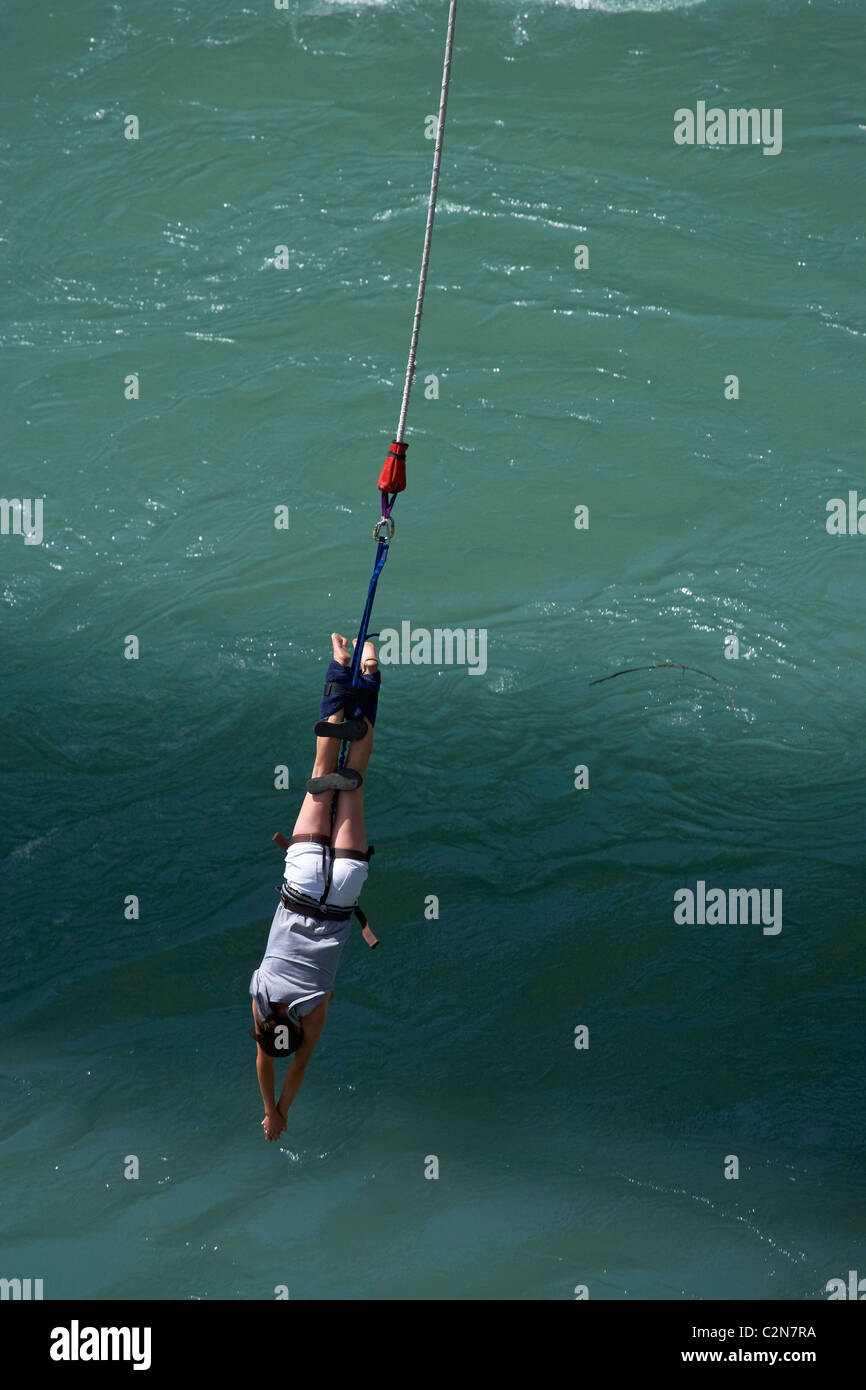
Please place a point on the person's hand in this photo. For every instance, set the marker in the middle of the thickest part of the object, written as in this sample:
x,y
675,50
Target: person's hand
x,y
273,1124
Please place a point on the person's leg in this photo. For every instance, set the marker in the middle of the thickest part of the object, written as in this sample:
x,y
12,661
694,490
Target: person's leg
x,y
314,817
349,829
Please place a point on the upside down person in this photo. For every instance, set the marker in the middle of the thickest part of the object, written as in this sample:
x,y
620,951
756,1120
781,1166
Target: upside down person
x,y
324,874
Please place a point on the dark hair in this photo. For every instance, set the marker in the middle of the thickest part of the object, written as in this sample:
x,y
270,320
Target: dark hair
x,y
278,1037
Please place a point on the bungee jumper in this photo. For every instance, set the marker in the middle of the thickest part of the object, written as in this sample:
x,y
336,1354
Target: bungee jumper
x,y
326,865
327,859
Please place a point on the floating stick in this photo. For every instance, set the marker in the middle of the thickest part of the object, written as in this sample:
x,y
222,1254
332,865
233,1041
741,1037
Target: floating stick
x,y
666,665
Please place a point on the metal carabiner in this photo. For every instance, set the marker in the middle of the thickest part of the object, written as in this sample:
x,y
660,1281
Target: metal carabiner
x,y
386,521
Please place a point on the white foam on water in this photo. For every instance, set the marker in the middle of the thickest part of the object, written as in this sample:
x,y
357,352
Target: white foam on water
x,y
620,6
599,6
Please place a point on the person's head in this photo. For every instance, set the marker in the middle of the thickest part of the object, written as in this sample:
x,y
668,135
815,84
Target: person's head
x,y
278,1036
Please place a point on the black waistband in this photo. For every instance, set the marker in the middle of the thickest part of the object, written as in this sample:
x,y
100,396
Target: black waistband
x,y
362,855
308,907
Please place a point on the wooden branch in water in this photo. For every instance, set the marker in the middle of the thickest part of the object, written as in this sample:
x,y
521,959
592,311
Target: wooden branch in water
x,y
666,665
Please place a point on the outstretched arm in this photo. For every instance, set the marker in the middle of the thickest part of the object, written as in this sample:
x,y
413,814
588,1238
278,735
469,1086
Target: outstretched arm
x,y
265,1070
273,1123
314,1022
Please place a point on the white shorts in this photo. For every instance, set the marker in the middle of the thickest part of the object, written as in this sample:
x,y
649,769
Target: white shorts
x,y
304,872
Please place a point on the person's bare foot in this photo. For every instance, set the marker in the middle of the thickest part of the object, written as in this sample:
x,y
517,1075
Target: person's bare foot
x,y
369,660
341,649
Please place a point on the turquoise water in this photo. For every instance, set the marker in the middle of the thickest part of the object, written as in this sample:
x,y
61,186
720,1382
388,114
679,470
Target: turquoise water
x,y
604,387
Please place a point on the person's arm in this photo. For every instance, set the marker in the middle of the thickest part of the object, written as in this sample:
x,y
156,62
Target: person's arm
x,y
291,1085
314,1022
265,1071
273,1123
